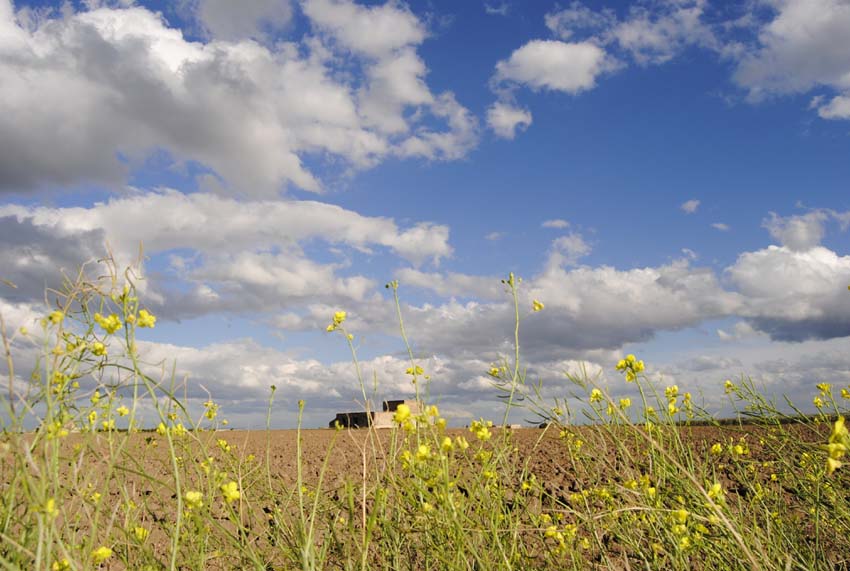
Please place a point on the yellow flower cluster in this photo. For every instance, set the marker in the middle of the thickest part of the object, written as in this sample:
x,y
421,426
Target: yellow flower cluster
x,y
146,319
481,429
402,413
230,491
630,366
109,324
100,555
193,499
140,533
338,319
537,305
839,442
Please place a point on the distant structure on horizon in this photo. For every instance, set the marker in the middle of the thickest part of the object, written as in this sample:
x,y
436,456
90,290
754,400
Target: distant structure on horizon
x,y
377,419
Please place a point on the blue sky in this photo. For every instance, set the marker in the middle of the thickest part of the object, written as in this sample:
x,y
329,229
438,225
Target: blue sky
x,y
670,178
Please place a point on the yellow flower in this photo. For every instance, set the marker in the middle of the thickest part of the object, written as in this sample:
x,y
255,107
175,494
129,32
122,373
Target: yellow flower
x,y
146,319
56,317
729,386
481,429
432,411
716,448
671,392
109,324
140,533
423,452
595,395
101,554
339,317
447,444
494,371
98,348
194,499
49,507
715,491
818,402
832,465
415,370
223,444
122,410
230,491
211,410
402,413
536,305
625,403
161,429
61,565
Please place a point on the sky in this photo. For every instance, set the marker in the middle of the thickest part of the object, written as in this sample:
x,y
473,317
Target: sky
x,y
669,178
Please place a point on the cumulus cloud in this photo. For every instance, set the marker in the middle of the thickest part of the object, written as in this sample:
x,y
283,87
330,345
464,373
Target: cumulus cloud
x,y
655,37
794,294
806,44
555,223
577,17
225,20
90,95
554,65
837,108
690,206
652,34
222,254
567,250
798,233
497,10
723,227
504,119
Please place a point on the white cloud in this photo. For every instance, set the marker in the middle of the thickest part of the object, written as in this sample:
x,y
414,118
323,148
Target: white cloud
x,y
223,255
170,219
494,10
554,65
648,35
690,206
806,44
798,233
794,294
493,236
373,31
504,119
720,226
226,20
90,95
555,223
578,17
657,37
567,250
741,330
453,284
837,108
